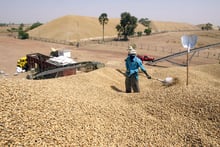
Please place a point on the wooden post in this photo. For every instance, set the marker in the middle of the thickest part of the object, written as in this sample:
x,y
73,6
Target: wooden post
x,y
189,43
187,69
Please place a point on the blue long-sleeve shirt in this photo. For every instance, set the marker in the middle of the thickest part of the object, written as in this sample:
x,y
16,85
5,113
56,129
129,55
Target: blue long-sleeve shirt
x,y
132,66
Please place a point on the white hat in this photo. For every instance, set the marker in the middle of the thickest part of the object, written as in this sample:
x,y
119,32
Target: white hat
x,y
53,49
132,51
130,48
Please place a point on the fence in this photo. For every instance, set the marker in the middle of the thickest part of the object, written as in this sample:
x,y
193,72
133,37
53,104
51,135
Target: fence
x,y
212,53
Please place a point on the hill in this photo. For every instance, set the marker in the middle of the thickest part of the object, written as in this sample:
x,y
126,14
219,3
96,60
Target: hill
x,y
76,27
72,28
91,109
163,26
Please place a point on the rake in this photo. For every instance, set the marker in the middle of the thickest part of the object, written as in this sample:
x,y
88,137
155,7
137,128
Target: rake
x,y
168,81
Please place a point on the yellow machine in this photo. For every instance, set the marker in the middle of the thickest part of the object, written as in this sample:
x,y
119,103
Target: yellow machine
x,y
22,63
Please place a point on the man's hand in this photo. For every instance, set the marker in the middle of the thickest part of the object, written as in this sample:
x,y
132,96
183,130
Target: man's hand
x,y
148,76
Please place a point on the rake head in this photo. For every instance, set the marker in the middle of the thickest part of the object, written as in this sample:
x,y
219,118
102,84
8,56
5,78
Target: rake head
x,y
169,81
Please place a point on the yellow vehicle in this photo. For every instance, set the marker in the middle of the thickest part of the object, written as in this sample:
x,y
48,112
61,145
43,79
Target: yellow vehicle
x,y
22,63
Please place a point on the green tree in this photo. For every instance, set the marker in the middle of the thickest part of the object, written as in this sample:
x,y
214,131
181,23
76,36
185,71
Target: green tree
x,y
103,19
21,26
207,26
3,24
35,25
13,31
120,30
21,33
127,25
147,31
139,34
145,21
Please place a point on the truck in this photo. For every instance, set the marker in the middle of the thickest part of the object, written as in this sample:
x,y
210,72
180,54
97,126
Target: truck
x,y
145,58
22,63
42,67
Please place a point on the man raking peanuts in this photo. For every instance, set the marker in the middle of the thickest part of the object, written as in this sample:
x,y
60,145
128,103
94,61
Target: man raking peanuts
x,y
132,63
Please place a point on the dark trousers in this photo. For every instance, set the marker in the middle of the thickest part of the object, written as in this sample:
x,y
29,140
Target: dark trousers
x,y
131,83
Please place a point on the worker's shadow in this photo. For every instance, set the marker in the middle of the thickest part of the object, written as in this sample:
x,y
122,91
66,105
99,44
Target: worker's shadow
x,y
121,72
116,89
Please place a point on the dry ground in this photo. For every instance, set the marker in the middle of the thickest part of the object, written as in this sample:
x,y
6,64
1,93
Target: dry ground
x,y
91,109
113,53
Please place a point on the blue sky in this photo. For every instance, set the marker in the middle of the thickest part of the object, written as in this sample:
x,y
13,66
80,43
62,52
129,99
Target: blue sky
x,y
188,11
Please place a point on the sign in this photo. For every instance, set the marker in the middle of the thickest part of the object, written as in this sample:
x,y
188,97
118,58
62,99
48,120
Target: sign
x,y
189,41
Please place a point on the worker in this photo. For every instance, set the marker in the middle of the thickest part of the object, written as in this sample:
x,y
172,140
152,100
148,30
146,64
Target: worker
x,y
133,63
54,52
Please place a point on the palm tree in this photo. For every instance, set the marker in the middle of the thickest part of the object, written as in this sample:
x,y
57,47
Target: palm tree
x,y
103,19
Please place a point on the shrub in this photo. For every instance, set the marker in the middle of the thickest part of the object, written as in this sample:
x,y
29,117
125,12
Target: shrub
x,y
139,34
147,31
22,35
